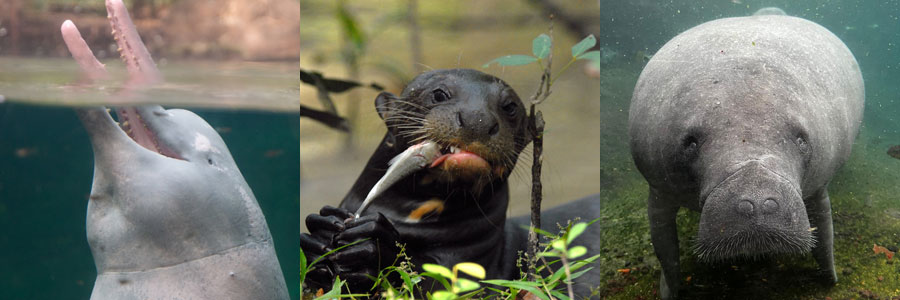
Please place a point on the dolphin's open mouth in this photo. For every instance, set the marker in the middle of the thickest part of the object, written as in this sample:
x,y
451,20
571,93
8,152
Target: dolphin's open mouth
x,y
137,129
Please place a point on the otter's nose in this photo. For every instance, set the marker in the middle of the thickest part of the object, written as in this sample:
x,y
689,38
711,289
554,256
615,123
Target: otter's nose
x,y
479,122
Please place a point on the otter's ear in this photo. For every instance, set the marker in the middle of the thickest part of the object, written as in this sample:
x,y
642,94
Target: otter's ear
x,y
383,104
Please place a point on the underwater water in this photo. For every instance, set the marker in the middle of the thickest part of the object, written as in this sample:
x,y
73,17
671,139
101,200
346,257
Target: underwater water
x,y
864,193
46,168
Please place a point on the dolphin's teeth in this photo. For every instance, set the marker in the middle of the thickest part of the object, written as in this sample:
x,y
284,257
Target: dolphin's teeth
x,y
119,49
125,123
113,32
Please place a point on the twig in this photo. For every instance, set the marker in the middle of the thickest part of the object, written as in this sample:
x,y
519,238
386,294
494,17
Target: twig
x,y
537,131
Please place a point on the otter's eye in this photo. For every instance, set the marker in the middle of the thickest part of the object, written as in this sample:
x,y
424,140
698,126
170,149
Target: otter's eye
x,y
440,95
510,108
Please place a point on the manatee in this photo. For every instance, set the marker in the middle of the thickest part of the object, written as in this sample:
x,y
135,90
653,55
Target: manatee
x,y
771,10
169,214
746,120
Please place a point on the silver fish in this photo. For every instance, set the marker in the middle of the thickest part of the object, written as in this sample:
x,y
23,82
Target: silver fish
x,y
414,158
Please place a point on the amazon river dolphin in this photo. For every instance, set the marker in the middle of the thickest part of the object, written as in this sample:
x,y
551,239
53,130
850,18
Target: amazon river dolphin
x,y
170,215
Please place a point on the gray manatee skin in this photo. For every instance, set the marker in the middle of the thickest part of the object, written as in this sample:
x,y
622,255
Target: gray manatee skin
x,y
746,120
166,228
771,10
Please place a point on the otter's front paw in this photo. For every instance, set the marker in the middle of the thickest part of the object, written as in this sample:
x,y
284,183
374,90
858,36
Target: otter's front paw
x,y
323,228
359,263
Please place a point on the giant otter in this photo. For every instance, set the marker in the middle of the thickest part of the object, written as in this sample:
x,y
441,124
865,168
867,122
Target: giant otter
x,y
452,212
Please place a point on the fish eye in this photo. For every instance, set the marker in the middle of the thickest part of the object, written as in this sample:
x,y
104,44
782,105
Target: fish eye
x,y
439,96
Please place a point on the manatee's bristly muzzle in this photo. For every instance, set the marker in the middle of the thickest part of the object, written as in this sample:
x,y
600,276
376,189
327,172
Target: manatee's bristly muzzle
x,y
755,242
752,213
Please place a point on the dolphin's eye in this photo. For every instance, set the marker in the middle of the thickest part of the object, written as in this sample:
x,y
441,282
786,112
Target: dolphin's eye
x,y
209,160
439,96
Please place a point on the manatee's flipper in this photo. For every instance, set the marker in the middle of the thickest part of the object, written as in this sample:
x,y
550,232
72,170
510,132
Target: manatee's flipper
x,y
664,236
819,210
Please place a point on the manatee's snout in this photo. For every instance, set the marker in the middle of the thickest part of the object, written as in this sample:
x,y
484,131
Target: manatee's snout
x,y
753,212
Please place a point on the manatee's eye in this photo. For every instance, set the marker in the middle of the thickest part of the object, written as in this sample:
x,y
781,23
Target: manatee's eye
x,y
802,144
439,96
690,145
510,108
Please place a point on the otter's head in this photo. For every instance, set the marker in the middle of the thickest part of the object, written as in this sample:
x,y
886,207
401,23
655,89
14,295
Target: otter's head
x,y
478,120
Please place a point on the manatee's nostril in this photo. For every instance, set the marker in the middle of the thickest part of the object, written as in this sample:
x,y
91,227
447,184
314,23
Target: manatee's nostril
x,y
770,206
494,129
746,207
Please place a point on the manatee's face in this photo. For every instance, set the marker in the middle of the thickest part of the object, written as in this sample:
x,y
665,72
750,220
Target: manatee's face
x,y
748,159
477,119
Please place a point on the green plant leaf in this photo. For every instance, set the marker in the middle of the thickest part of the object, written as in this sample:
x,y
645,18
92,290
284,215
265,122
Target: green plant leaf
x,y
583,45
351,27
443,295
473,269
521,285
512,60
438,269
439,278
576,230
549,254
577,251
335,290
465,285
579,273
559,295
591,55
303,266
558,245
540,46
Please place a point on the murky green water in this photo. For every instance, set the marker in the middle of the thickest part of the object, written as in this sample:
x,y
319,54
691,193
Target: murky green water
x,y
865,204
46,166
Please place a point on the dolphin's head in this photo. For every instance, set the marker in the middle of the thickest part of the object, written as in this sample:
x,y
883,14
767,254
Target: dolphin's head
x,y
161,176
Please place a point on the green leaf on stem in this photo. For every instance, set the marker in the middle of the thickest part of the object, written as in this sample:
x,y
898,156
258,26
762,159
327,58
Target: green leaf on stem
x,y
583,45
540,46
512,60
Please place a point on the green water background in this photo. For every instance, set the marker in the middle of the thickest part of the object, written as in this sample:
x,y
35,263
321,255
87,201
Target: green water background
x,y
864,193
43,196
